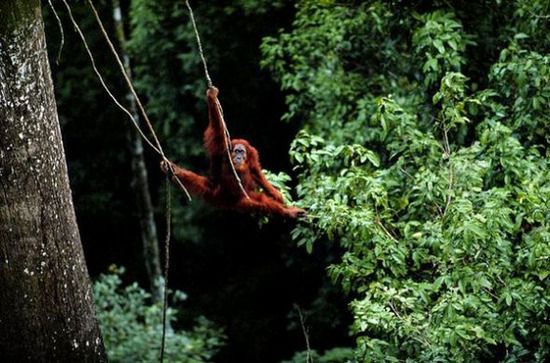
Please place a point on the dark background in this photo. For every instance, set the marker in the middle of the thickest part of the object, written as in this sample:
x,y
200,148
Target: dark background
x,y
242,274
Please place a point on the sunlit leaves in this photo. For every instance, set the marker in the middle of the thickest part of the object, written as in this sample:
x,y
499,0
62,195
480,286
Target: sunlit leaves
x,y
439,195
440,42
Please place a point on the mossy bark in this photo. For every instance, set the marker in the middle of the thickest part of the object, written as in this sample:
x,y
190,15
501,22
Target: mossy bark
x,y
46,304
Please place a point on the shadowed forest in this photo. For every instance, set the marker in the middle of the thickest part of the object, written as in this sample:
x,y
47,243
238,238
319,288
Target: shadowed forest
x,y
241,272
414,133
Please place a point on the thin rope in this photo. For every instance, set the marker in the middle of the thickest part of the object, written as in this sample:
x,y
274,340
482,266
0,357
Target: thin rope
x,y
169,167
227,137
157,148
166,267
62,33
309,358
126,78
199,43
138,100
100,77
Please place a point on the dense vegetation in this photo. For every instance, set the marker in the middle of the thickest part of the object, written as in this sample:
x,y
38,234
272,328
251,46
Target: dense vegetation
x,y
424,154
131,325
418,137
243,275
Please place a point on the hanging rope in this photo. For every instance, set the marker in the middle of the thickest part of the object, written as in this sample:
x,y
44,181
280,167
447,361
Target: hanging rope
x,y
227,137
157,148
100,77
61,32
169,166
126,77
199,43
166,267
138,100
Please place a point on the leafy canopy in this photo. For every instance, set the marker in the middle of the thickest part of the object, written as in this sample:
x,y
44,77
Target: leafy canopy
x,y
424,154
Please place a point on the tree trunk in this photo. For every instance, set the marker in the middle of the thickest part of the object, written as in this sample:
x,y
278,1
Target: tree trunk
x,y
140,179
46,304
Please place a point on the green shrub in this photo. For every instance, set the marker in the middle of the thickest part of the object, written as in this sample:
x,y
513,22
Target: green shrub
x,y
132,327
334,355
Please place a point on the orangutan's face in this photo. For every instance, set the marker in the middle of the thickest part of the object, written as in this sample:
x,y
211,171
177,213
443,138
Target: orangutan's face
x,y
239,156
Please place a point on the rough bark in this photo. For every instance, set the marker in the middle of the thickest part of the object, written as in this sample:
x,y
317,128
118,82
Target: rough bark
x,y
46,304
140,179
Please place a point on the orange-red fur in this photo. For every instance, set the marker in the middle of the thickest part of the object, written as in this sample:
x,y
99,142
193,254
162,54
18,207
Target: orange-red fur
x,y
222,188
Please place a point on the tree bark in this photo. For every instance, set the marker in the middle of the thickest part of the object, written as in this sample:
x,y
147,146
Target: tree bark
x,y
140,179
46,304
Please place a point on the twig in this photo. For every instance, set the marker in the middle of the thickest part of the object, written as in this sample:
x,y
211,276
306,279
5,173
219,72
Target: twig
x,y
406,173
394,309
490,293
379,222
545,17
421,337
451,170
309,358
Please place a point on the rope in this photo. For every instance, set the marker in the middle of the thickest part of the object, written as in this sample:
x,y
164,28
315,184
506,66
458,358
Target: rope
x,y
199,43
157,148
126,77
101,80
100,77
227,137
169,166
62,33
166,267
138,100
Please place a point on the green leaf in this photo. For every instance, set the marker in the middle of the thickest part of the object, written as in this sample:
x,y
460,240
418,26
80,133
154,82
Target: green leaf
x,y
439,45
452,44
430,64
521,36
309,246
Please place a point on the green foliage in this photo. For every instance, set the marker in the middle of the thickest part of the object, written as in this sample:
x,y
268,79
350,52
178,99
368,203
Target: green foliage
x,y
441,41
279,180
438,191
132,327
521,78
253,7
170,81
334,355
